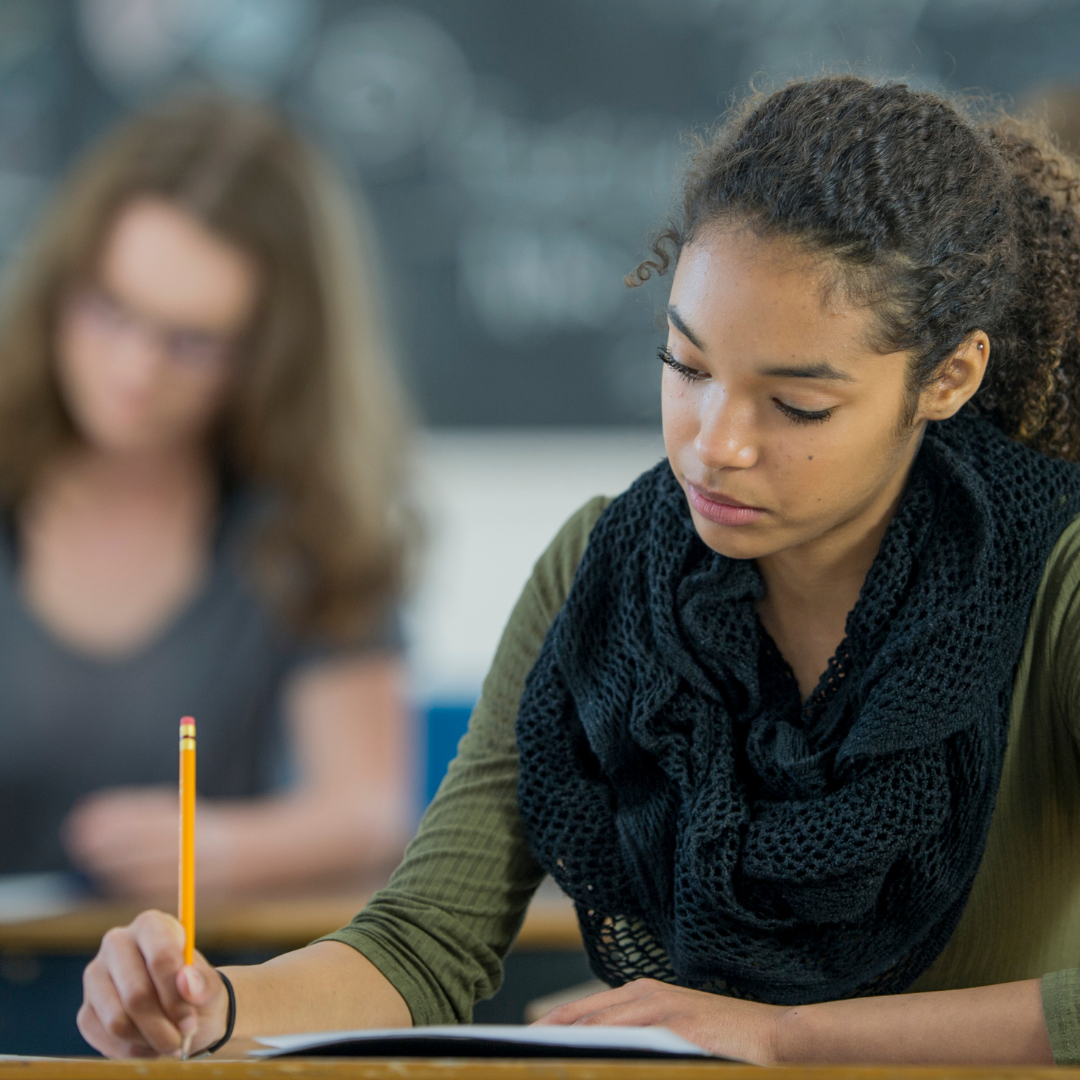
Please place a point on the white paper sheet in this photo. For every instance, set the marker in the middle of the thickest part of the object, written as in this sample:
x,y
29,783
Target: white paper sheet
x,y
37,896
652,1039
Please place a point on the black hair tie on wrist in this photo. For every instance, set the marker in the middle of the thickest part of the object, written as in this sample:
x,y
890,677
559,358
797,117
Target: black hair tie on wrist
x,y
231,1023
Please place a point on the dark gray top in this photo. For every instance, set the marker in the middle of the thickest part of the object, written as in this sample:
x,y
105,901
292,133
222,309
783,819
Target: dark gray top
x,y
72,723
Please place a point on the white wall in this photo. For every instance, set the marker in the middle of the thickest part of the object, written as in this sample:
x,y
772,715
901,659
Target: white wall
x,y
492,501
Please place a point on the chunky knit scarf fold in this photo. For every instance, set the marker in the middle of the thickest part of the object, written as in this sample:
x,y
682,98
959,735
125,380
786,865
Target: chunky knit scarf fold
x,y
715,830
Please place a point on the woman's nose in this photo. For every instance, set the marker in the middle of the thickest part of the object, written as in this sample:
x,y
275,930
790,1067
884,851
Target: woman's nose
x,y
726,437
139,354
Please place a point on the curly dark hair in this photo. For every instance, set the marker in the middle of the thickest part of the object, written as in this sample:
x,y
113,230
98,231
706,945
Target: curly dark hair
x,y
943,224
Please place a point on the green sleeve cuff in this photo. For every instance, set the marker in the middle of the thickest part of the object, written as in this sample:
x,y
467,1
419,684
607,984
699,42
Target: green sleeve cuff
x,y
427,1001
1061,1007
386,961
431,957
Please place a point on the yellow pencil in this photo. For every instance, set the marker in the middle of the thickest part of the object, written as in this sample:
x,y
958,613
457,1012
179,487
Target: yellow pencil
x,y
186,904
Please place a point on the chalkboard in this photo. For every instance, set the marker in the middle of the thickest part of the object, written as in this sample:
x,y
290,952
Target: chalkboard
x,y
515,153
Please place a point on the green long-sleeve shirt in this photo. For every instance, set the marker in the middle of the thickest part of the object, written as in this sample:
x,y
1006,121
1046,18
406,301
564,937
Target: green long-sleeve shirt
x,y
440,929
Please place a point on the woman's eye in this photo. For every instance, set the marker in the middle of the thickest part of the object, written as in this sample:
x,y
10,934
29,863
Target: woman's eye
x,y
803,416
688,373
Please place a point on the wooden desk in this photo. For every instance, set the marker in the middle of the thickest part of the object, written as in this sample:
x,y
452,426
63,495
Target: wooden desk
x,y
265,924
454,1069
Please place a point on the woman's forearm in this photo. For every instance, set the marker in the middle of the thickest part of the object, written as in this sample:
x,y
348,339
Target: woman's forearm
x,y
327,986
301,837
999,1025
986,1025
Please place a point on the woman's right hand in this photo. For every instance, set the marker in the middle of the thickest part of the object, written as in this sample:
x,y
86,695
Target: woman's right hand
x,y
140,1000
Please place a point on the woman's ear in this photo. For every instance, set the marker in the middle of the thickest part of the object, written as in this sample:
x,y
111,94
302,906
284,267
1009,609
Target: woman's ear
x,y
957,379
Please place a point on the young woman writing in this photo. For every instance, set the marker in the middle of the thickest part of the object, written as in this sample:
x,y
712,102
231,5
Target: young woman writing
x,y
199,470
794,720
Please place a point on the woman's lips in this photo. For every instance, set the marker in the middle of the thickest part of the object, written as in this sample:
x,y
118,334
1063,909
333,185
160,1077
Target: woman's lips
x,y
720,509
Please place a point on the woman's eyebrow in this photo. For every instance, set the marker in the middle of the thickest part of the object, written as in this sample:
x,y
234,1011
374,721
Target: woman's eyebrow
x,y
676,320
821,370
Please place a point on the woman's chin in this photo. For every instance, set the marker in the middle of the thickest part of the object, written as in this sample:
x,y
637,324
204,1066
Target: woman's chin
x,y
750,541
129,440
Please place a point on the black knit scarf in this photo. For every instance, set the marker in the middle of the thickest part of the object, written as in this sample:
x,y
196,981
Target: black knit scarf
x,y
716,831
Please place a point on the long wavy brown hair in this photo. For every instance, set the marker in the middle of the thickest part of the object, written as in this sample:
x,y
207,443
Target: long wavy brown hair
x,y
315,421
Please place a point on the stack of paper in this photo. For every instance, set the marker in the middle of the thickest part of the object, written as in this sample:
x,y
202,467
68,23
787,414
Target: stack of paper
x,y
38,896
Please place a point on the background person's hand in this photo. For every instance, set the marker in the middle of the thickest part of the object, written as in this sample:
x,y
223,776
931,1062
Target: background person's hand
x,y
126,839
724,1026
139,1000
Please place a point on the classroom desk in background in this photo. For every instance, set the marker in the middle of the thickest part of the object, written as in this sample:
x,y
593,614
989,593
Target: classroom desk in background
x,y
492,1069
41,960
257,925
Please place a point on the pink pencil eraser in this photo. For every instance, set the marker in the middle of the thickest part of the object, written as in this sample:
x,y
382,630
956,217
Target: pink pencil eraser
x,y
187,721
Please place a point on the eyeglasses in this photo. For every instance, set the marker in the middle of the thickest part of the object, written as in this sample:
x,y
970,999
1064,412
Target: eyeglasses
x,y
185,346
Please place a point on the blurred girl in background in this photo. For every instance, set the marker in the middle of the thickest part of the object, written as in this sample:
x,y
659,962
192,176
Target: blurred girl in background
x,y
200,458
